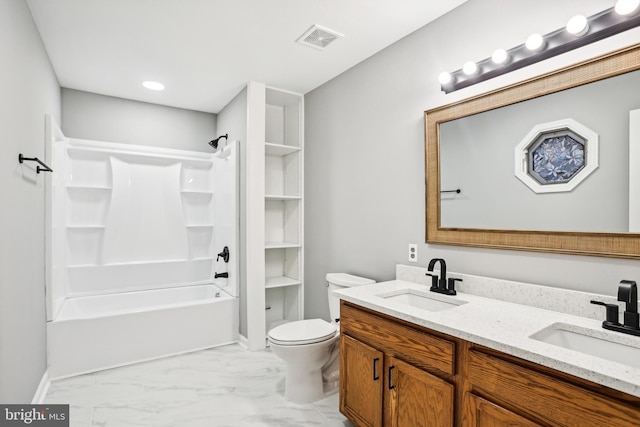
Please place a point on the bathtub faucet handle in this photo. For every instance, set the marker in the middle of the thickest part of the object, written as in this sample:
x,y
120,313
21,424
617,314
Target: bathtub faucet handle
x,y
224,254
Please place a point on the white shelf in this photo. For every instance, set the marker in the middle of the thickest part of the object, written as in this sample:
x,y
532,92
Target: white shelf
x,y
199,225
88,188
197,192
86,227
280,149
281,245
281,197
281,281
145,155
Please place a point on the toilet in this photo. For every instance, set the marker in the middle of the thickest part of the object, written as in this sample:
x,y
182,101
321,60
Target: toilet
x,y
311,347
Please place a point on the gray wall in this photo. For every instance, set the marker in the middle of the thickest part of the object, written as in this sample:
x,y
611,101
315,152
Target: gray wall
x,y
29,90
105,118
364,154
232,120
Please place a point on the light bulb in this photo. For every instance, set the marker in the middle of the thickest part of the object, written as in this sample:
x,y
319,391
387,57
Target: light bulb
x,y
499,56
445,78
534,42
153,85
625,7
470,68
578,25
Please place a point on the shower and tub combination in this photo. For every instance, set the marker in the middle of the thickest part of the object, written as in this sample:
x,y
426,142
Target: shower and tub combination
x,y
142,247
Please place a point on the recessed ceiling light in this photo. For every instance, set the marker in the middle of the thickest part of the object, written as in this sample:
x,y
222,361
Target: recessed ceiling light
x,y
153,85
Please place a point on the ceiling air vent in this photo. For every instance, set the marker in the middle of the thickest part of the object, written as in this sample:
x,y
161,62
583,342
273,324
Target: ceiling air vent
x,y
318,37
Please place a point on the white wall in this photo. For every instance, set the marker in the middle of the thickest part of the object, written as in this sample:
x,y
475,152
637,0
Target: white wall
x,y
88,115
232,120
29,90
364,139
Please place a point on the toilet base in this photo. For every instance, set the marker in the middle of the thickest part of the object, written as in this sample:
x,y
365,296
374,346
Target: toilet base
x,y
304,382
303,386
330,388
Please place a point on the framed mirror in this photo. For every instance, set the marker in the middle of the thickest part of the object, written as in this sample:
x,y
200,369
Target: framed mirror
x,y
589,113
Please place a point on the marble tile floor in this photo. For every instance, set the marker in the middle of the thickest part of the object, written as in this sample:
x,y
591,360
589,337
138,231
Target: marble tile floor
x,y
219,387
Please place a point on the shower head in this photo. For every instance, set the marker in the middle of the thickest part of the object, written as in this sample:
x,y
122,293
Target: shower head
x,y
214,142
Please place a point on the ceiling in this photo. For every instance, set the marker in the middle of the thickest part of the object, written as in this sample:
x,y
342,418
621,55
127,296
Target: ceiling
x,y
205,51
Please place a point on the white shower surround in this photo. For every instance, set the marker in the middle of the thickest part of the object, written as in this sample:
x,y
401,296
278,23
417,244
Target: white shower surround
x,y
133,233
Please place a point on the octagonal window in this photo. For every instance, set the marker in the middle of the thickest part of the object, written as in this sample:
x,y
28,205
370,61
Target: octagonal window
x,y
556,156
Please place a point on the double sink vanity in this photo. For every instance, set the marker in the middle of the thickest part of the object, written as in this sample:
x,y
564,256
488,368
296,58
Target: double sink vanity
x,y
431,350
472,351
497,353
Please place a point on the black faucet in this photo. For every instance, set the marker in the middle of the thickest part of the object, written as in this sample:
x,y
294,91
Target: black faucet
x,y
224,275
224,254
440,284
627,293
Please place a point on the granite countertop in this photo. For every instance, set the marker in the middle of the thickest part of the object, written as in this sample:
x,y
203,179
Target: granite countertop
x,y
507,327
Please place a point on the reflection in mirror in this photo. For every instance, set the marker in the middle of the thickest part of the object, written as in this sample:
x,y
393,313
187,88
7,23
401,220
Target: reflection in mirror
x,y
471,145
477,155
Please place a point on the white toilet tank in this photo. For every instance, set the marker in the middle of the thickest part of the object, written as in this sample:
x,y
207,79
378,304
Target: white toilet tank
x,y
339,281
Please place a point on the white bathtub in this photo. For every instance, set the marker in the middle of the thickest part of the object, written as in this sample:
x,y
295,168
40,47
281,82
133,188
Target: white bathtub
x,y
101,332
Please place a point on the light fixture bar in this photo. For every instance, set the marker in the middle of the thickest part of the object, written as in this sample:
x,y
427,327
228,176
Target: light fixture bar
x,y
600,26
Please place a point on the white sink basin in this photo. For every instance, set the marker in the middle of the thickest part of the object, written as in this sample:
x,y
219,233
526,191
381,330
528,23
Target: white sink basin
x,y
422,300
597,343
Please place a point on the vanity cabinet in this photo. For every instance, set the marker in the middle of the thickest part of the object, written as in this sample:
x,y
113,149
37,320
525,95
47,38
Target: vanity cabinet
x,y
361,381
394,373
501,385
482,413
417,398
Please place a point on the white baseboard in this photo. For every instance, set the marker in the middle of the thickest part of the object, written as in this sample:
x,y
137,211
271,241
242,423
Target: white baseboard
x,y
243,341
43,387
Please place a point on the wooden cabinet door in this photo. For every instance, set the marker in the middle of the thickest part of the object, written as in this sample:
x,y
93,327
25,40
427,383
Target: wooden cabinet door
x,y
361,368
479,412
545,398
416,398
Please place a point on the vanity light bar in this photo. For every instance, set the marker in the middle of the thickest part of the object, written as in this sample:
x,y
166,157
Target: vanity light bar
x,y
599,26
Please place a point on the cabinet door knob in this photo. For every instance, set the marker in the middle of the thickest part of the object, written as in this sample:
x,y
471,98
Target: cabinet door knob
x,y
391,386
375,375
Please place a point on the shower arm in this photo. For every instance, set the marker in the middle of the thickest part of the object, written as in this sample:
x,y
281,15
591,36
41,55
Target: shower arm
x,y
214,142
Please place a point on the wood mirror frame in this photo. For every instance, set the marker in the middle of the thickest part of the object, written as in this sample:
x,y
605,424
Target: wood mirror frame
x,y
619,245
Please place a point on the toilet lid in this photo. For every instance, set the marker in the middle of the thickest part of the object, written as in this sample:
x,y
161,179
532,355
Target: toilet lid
x,y
302,332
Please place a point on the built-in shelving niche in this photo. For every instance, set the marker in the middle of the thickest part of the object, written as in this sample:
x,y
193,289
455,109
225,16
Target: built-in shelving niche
x,y
283,215
282,305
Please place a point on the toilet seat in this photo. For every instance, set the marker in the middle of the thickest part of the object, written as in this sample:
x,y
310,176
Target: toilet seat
x,y
302,332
